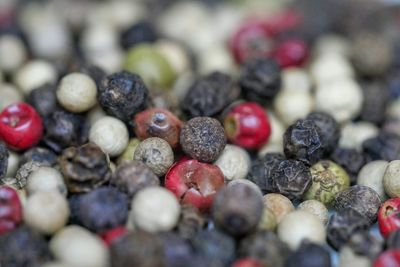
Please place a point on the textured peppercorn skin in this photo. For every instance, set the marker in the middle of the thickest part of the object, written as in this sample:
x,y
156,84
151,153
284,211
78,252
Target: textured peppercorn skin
x,y
203,138
351,160
309,255
122,95
3,159
44,99
42,155
385,146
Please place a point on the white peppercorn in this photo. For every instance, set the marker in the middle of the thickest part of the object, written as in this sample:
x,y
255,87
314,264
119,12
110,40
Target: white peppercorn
x,y
291,105
155,209
275,143
77,247
77,92
234,162
110,134
129,151
46,179
299,225
315,207
355,133
268,220
174,54
348,257
332,44
13,164
9,94
391,179
54,264
47,212
279,204
295,79
329,68
371,175
95,114
12,53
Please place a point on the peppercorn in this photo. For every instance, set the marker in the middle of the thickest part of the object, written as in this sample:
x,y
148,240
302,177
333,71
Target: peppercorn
x,y
24,171
246,183
190,222
237,209
315,207
360,198
209,95
268,220
94,72
203,138
391,179
42,155
388,216
132,176
309,255
3,159
177,251
13,164
129,151
122,95
279,205
376,98
265,247
388,258
351,160
328,179
156,153
291,52
260,79
343,224
64,129
140,32
246,262
234,162
329,129
46,179
366,244
44,100
385,146
23,247
11,207
393,240
84,168
355,133
303,141
139,249
348,257
9,95
112,235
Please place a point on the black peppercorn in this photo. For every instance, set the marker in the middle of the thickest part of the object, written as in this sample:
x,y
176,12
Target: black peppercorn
x,y
343,224
42,155
191,222
361,198
291,178
385,146
260,79
329,129
95,72
44,99
122,95
237,209
64,129
309,255
376,98
261,171
84,168
265,247
177,251
366,244
3,159
393,240
140,32
203,138
23,247
209,95
303,141
139,249
351,160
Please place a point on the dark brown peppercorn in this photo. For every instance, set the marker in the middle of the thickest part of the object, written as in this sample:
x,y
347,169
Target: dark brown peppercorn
x,y
361,198
190,222
44,100
84,168
265,247
3,159
203,138
122,95
303,141
385,146
291,178
350,159
393,240
366,244
132,176
42,155
376,98
139,249
177,251
209,95
309,255
329,129
343,225
237,209
140,32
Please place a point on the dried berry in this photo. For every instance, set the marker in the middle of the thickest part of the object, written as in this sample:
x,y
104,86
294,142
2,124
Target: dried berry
x,y
24,171
350,159
140,32
260,79
190,222
44,100
328,127
209,95
177,251
203,138
309,255
376,98
361,198
84,168
3,159
279,205
303,141
385,146
11,209
343,225
366,244
122,95
42,155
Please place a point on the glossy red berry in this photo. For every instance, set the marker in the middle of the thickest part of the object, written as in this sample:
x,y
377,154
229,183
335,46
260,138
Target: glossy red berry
x,y
113,234
20,126
389,258
246,262
247,125
10,209
194,182
291,53
389,216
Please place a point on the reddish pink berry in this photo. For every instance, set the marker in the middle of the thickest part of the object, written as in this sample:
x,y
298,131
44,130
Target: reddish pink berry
x,y
20,126
388,216
246,262
389,258
247,125
113,234
10,209
291,53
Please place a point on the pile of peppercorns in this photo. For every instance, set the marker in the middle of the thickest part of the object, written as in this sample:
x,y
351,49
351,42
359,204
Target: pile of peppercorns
x,y
161,133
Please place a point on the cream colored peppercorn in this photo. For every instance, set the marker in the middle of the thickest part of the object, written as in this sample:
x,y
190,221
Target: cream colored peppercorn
x,y
355,133
95,114
391,179
315,207
275,142
12,53
279,204
47,212
54,264
300,225
175,54
77,92
155,209
332,44
46,179
74,246
372,174
110,134
330,68
234,162
348,258
268,220
9,94
295,79
13,164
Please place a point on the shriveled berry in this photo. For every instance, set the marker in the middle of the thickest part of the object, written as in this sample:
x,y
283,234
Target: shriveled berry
x,y
11,209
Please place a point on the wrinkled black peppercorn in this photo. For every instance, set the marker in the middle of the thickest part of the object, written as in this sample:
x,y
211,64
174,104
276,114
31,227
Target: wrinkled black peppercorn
x,y
140,32
309,255
260,79
393,240
351,160
366,244
303,141
3,159
209,95
84,168
329,129
265,247
44,99
42,155
376,98
385,146
122,95
102,209
23,247
343,224
361,198
191,222
291,178
177,251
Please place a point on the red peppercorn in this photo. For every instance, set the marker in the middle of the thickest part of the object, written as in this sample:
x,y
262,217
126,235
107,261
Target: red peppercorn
x,y
291,53
194,182
389,258
10,209
247,125
246,262
389,216
113,234
20,126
